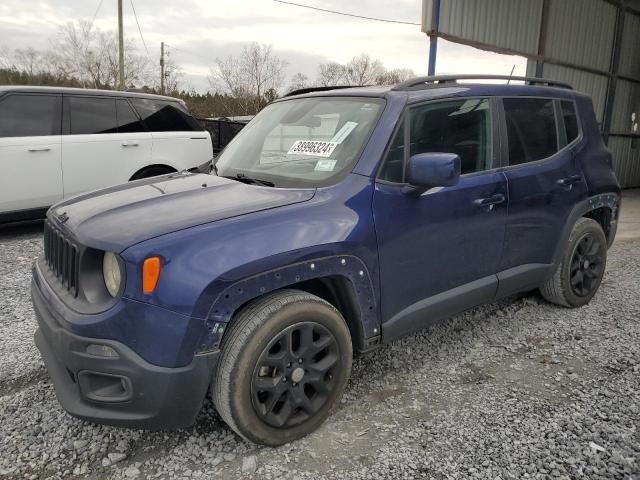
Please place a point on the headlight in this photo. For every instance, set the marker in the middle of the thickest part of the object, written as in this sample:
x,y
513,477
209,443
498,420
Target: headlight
x,y
111,272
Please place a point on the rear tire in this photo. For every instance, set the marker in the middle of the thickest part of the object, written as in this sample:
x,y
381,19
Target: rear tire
x,y
153,171
580,272
285,361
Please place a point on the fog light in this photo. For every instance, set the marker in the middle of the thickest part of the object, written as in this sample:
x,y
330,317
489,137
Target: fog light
x,y
101,350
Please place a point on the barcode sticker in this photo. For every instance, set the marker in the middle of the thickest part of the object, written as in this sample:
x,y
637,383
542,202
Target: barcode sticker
x,y
316,148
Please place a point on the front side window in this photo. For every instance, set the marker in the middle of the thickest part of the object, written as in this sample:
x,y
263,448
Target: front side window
x,y
462,127
29,116
89,116
165,116
304,142
531,129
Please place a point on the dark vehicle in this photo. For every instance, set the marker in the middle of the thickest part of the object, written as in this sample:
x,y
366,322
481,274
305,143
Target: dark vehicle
x,y
338,221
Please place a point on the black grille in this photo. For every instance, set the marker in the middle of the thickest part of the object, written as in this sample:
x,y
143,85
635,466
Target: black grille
x,y
62,257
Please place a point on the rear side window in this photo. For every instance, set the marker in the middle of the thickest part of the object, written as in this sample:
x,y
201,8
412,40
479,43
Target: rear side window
x,y
29,116
128,121
570,120
163,116
92,115
531,129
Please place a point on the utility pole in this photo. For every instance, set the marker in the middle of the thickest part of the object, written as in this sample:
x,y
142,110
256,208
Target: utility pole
x,y
121,45
161,68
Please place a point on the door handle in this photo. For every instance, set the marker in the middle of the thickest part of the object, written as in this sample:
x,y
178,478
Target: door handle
x,y
129,144
488,203
568,182
39,149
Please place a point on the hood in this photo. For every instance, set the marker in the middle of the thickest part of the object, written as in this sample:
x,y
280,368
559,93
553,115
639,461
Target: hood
x,y
118,217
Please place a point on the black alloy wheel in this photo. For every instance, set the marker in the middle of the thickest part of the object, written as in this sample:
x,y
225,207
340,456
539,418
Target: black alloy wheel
x,y
293,377
587,265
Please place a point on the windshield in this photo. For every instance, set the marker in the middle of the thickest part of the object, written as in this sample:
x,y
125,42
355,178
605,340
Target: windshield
x,y
309,142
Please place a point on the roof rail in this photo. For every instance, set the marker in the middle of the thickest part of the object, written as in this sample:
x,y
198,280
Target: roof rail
x,y
438,80
301,91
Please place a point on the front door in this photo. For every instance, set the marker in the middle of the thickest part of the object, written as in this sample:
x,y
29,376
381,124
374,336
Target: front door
x,y
439,251
31,177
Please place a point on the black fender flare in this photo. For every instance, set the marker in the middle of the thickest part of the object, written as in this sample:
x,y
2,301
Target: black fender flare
x,y
609,200
237,294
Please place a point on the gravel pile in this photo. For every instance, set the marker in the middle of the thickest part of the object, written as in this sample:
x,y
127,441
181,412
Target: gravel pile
x,y
516,389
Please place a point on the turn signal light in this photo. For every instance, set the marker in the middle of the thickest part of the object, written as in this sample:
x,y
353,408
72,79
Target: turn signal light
x,y
150,274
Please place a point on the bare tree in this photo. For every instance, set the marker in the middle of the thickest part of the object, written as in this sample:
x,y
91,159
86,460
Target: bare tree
x,y
264,70
298,81
92,56
330,73
172,76
396,75
251,80
228,76
362,70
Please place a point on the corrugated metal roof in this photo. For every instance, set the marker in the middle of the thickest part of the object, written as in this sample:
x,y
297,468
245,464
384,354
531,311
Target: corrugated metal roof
x,y
513,24
581,32
593,85
630,52
626,160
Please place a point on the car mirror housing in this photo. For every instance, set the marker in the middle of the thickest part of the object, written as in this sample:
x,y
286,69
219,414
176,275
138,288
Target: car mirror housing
x,y
428,170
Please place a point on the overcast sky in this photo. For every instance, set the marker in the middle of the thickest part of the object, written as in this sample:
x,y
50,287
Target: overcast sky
x,y
199,31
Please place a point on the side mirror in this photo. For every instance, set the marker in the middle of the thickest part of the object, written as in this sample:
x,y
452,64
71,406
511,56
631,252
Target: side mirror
x,y
427,170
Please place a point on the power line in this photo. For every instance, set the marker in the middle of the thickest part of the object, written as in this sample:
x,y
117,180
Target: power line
x,y
139,30
347,14
95,15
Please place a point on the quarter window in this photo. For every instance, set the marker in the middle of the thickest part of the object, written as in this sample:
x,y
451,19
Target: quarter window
x,y
163,116
92,115
128,121
462,127
29,116
570,120
531,129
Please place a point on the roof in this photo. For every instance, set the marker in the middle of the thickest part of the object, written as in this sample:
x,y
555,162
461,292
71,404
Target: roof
x,y
434,90
81,91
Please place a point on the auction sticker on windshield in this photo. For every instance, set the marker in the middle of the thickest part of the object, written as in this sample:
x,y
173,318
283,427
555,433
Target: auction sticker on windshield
x,y
316,148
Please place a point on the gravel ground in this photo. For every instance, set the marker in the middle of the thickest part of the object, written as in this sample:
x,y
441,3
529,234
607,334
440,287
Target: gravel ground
x,y
516,389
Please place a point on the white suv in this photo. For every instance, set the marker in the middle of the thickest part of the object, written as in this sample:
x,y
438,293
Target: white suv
x,y
58,142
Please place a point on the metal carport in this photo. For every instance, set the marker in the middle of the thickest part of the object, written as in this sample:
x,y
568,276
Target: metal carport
x,y
592,44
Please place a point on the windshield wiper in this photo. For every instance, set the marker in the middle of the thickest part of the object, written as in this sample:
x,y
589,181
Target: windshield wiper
x,y
241,177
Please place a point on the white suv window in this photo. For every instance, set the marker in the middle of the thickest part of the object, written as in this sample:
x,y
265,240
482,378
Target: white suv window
x,y
29,116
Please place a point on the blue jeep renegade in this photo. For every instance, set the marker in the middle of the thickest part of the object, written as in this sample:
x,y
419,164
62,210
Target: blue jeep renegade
x,y
336,221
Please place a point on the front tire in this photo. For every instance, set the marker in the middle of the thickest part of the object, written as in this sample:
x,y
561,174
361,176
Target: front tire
x,y
582,267
284,364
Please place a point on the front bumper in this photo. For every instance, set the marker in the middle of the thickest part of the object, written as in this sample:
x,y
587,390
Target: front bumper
x,y
123,390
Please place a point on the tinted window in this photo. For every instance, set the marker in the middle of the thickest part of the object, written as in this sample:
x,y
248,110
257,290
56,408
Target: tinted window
x,y
128,121
92,115
570,120
392,169
28,116
531,129
162,116
462,127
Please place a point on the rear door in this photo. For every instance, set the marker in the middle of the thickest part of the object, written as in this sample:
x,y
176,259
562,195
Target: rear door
x,y
103,144
178,139
545,183
30,170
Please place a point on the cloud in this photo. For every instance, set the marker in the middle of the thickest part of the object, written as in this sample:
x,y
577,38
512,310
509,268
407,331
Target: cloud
x,y
199,31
